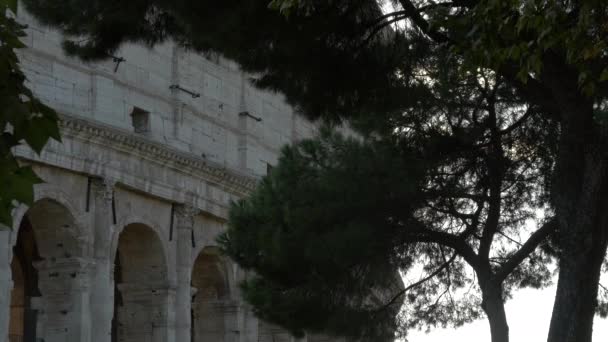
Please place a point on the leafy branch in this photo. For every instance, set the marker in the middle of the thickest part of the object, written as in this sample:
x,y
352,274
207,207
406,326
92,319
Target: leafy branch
x,y
23,119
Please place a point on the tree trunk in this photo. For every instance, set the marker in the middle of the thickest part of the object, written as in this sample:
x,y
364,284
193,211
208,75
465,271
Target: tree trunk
x,y
499,329
583,240
581,203
494,307
576,296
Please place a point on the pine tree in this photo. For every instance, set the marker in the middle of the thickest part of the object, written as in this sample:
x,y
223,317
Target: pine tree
x,y
451,190
346,59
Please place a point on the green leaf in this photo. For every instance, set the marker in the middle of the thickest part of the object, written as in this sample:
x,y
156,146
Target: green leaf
x,y
20,119
21,187
38,132
10,4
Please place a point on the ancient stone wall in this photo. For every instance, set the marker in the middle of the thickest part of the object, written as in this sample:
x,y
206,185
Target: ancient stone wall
x,y
120,243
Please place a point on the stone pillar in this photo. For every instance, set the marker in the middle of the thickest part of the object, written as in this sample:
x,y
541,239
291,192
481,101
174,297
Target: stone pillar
x,y
248,324
230,311
102,280
144,313
102,294
183,301
175,102
6,283
65,303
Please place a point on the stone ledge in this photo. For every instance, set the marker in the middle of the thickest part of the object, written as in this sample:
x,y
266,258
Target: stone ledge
x,y
119,139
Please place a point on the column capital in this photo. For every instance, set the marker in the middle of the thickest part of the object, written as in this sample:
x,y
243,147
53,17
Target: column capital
x,y
104,188
185,214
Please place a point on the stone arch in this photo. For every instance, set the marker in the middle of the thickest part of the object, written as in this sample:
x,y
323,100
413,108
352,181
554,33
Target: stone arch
x,y
49,270
49,192
57,233
141,292
143,254
18,301
224,264
154,228
213,310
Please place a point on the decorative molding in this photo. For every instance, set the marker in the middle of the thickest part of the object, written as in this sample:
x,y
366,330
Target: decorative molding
x,y
121,140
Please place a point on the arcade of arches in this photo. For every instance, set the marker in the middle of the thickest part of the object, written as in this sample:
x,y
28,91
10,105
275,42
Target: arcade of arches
x,y
119,244
78,276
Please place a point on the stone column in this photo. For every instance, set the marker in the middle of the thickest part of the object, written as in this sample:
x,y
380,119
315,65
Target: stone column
x,y
65,305
248,324
145,313
230,311
183,301
102,294
6,283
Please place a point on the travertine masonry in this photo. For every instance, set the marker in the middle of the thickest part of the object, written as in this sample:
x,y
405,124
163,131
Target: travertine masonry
x,y
120,243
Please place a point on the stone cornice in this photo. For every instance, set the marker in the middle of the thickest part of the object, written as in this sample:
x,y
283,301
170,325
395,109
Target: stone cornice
x,y
118,139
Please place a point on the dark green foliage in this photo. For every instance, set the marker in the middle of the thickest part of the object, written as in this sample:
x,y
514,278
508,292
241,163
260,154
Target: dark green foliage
x,y
23,119
312,60
337,58
424,216
328,228
501,102
324,228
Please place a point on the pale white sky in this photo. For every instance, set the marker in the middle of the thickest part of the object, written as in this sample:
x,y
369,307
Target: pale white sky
x,y
528,314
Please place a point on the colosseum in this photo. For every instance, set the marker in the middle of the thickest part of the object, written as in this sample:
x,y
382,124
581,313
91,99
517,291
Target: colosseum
x,y
120,242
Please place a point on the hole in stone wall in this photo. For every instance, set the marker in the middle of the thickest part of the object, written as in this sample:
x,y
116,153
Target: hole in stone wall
x,y
140,120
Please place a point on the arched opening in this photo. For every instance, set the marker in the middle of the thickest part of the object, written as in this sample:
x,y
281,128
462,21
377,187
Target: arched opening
x,y
48,274
16,328
141,293
213,315
22,321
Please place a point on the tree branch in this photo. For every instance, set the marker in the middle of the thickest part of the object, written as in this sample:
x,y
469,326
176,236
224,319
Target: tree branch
x,y
381,18
532,89
527,248
419,282
380,27
495,174
424,235
519,122
421,23
510,238
471,227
